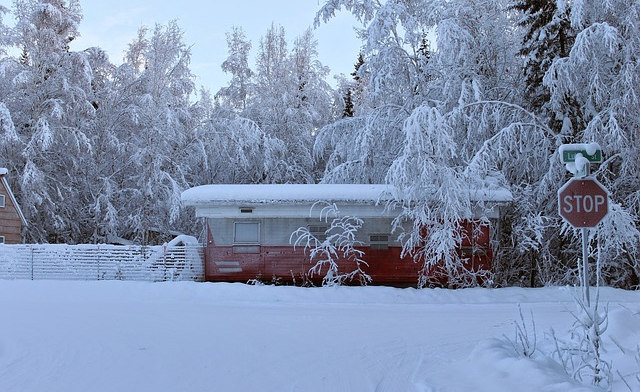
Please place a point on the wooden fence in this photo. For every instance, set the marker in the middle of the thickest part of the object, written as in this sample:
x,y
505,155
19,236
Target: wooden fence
x,y
102,262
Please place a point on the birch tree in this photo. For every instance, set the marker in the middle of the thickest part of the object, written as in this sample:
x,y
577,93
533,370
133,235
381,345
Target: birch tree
x,y
236,94
291,99
159,83
51,105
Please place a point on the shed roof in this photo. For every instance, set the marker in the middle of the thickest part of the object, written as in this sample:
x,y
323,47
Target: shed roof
x,y
304,193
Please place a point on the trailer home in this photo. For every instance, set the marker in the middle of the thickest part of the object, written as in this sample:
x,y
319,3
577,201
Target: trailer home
x,y
249,230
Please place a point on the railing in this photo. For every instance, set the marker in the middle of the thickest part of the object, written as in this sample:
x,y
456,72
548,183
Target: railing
x,y
102,262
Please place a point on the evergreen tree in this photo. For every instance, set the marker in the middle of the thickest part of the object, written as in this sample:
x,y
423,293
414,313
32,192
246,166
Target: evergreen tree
x,y
549,36
352,89
348,104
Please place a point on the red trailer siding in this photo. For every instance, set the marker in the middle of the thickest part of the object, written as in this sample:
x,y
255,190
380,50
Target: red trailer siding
x,y
289,265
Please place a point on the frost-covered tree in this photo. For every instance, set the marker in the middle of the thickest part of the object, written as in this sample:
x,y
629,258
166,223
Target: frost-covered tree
x,y
158,83
236,94
476,61
5,32
243,153
50,104
436,108
105,151
10,146
585,88
549,36
466,96
602,73
360,147
334,256
291,99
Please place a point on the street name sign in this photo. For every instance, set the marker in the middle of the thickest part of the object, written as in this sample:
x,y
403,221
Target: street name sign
x,y
590,151
570,156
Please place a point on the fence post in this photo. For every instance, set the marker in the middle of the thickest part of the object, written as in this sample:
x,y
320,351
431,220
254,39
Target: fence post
x,y
98,257
31,247
164,262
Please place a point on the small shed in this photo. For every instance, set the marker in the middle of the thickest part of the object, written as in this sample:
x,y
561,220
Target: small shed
x,y
12,220
249,229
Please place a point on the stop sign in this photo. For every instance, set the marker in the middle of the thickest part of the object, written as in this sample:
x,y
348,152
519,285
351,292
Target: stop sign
x,y
583,202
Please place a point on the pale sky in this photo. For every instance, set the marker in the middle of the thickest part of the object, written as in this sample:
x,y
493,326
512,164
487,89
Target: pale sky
x,y
113,24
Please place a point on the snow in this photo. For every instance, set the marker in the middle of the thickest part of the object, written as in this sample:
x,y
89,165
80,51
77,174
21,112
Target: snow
x,y
589,148
138,336
183,239
581,162
3,171
267,193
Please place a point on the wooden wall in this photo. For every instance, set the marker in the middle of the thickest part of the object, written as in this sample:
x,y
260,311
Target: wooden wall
x,y
10,223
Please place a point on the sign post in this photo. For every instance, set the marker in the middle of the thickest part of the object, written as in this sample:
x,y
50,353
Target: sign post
x,y
582,201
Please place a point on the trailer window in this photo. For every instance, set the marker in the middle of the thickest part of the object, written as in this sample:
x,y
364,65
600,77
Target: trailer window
x,y
379,241
2,202
246,233
318,231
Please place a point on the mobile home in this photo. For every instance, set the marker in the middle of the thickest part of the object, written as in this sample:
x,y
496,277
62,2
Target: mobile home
x,y
249,229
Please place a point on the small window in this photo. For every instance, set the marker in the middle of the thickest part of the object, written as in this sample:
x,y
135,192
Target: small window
x,y
246,210
1,239
318,231
246,233
379,241
2,200
240,249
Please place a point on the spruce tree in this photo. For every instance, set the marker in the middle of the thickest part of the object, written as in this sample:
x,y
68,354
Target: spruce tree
x,y
349,110
548,36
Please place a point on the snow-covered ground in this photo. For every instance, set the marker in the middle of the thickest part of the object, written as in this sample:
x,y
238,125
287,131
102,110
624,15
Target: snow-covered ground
x,y
138,336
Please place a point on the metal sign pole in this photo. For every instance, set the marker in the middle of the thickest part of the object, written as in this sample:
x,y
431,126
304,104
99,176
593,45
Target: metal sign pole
x,y
585,268
585,248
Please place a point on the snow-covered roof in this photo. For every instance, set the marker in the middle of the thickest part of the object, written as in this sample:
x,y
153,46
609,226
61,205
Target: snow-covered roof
x,y
304,193
3,171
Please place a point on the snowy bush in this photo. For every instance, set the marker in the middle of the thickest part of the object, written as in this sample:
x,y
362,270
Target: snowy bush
x,y
334,255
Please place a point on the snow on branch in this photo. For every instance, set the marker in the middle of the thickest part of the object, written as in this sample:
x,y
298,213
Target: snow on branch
x,y
334,251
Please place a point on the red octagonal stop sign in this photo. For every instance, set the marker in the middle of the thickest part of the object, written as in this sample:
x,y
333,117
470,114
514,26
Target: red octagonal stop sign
x,y
583,202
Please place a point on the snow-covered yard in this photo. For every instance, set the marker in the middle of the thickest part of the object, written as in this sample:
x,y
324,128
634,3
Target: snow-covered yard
x,y
140,336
